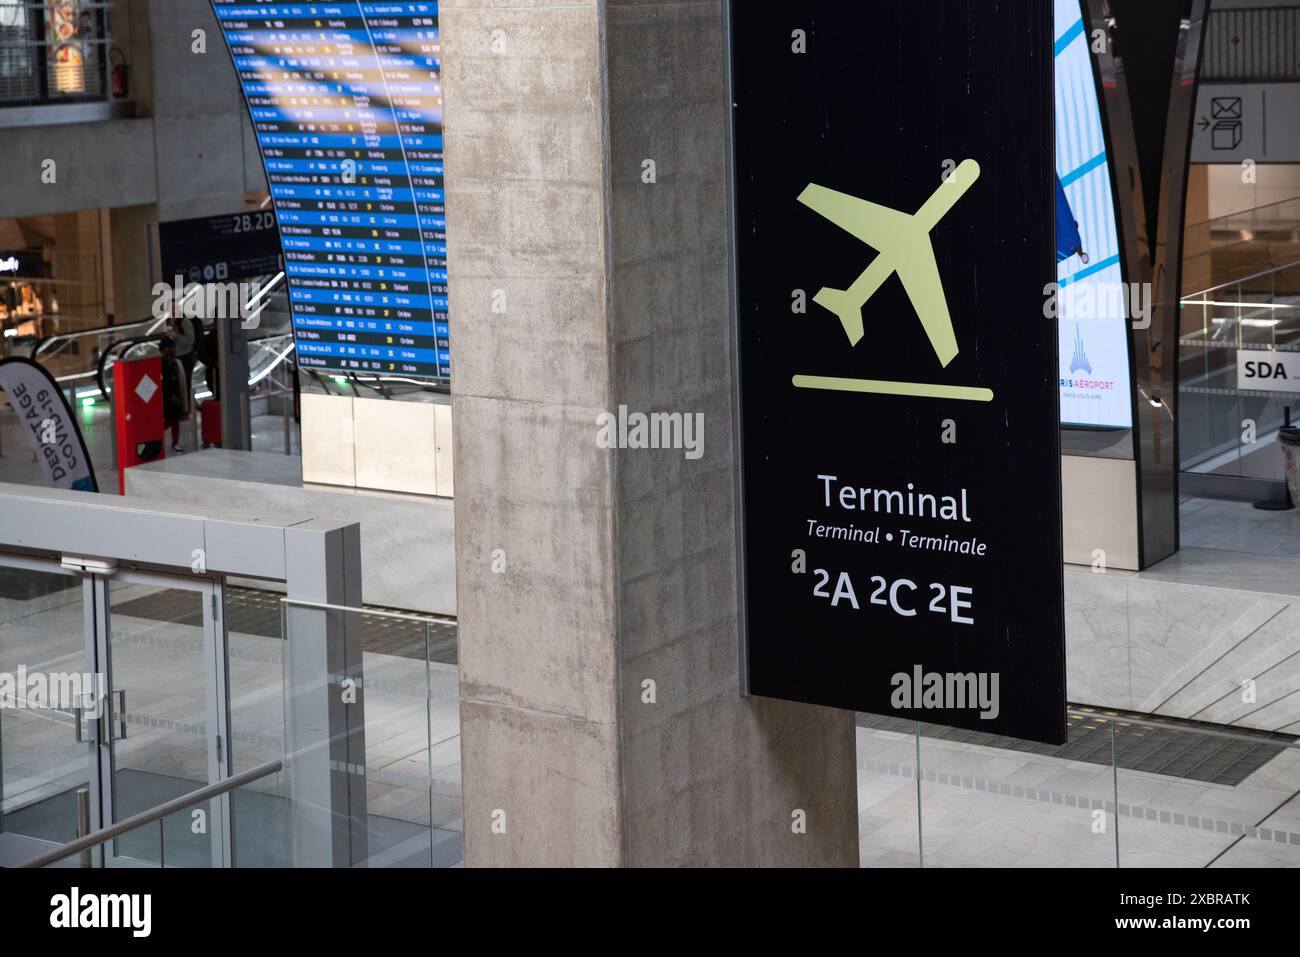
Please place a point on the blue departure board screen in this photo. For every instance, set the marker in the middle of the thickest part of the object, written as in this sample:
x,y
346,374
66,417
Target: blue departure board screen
x,y
346,102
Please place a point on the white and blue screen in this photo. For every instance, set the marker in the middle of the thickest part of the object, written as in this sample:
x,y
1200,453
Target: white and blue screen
x,y
346,102
1092,301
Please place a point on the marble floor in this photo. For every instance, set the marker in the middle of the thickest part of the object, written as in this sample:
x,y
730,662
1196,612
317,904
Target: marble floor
x,y
984,807
1238,527
19,466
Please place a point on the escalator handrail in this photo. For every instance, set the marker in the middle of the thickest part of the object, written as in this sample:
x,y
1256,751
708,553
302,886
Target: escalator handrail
x,y
103,358
38,344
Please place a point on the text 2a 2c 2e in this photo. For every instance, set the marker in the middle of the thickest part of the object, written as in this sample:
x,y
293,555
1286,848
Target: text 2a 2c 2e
x,y
899,596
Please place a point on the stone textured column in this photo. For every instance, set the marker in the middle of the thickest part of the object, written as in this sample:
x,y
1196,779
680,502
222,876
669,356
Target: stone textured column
x,y
582,572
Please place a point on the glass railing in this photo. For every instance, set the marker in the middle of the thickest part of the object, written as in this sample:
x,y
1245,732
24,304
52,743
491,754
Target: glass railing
x,y
402,772
1228,424
343,749
1124,791
1282,217
1241,245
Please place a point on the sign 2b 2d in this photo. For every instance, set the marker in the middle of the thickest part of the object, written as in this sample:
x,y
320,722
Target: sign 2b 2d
x,y
901,536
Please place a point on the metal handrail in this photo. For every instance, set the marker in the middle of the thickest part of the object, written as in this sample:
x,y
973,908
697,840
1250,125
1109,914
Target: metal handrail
x,y
153,814
1245,212
375,612
1236,282
40,343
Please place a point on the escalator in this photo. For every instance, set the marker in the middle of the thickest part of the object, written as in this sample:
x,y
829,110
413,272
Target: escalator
x,y
82,361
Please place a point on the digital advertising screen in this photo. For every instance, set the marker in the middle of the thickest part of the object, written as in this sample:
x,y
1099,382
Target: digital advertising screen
x,y
346,102
1092,302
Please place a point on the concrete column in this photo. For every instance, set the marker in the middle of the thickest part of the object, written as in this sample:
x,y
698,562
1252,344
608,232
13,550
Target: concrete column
x,y
132,285
78,270
584,573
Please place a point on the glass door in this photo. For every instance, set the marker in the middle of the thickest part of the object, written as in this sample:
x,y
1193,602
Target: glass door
x,y
48,690
167,724
113,700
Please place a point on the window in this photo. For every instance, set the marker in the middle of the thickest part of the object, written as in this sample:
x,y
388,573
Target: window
x,y
52,52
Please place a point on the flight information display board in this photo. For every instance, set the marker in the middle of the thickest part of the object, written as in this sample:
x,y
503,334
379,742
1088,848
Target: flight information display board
x,y
346,102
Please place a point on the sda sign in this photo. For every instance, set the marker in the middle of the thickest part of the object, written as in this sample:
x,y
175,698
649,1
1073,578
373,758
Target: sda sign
x,y
894,195
1268,371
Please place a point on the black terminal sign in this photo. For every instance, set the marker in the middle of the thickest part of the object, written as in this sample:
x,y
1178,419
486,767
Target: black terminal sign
x,y
346,102
892,169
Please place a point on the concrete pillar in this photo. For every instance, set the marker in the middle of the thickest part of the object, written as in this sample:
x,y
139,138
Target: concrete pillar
x,y
78,270
132,285
582,572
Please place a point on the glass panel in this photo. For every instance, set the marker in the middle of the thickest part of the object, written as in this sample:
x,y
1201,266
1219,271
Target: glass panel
x,y
19,79
444,745
1195,797
42,654
73,44
260,819
887,797
52,51
142,847
398,784
179,833
1240,276
159,708
407,696
990,801
255,669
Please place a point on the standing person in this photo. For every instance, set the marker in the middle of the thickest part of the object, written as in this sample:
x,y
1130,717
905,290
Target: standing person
x,y
205,349
186,330
175,390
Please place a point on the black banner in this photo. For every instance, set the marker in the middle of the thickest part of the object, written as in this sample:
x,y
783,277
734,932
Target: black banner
x,y
893,179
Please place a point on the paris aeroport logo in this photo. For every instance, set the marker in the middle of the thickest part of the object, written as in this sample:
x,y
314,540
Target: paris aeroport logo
x,y
1079,363
903,247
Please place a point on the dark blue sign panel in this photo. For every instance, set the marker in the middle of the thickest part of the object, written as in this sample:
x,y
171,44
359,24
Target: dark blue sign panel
x,y
346,101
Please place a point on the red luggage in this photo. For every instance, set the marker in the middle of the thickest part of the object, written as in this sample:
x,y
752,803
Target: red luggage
x,y
210,422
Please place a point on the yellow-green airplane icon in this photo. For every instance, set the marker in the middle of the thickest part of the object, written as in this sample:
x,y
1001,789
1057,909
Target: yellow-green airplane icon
x,y
903,243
